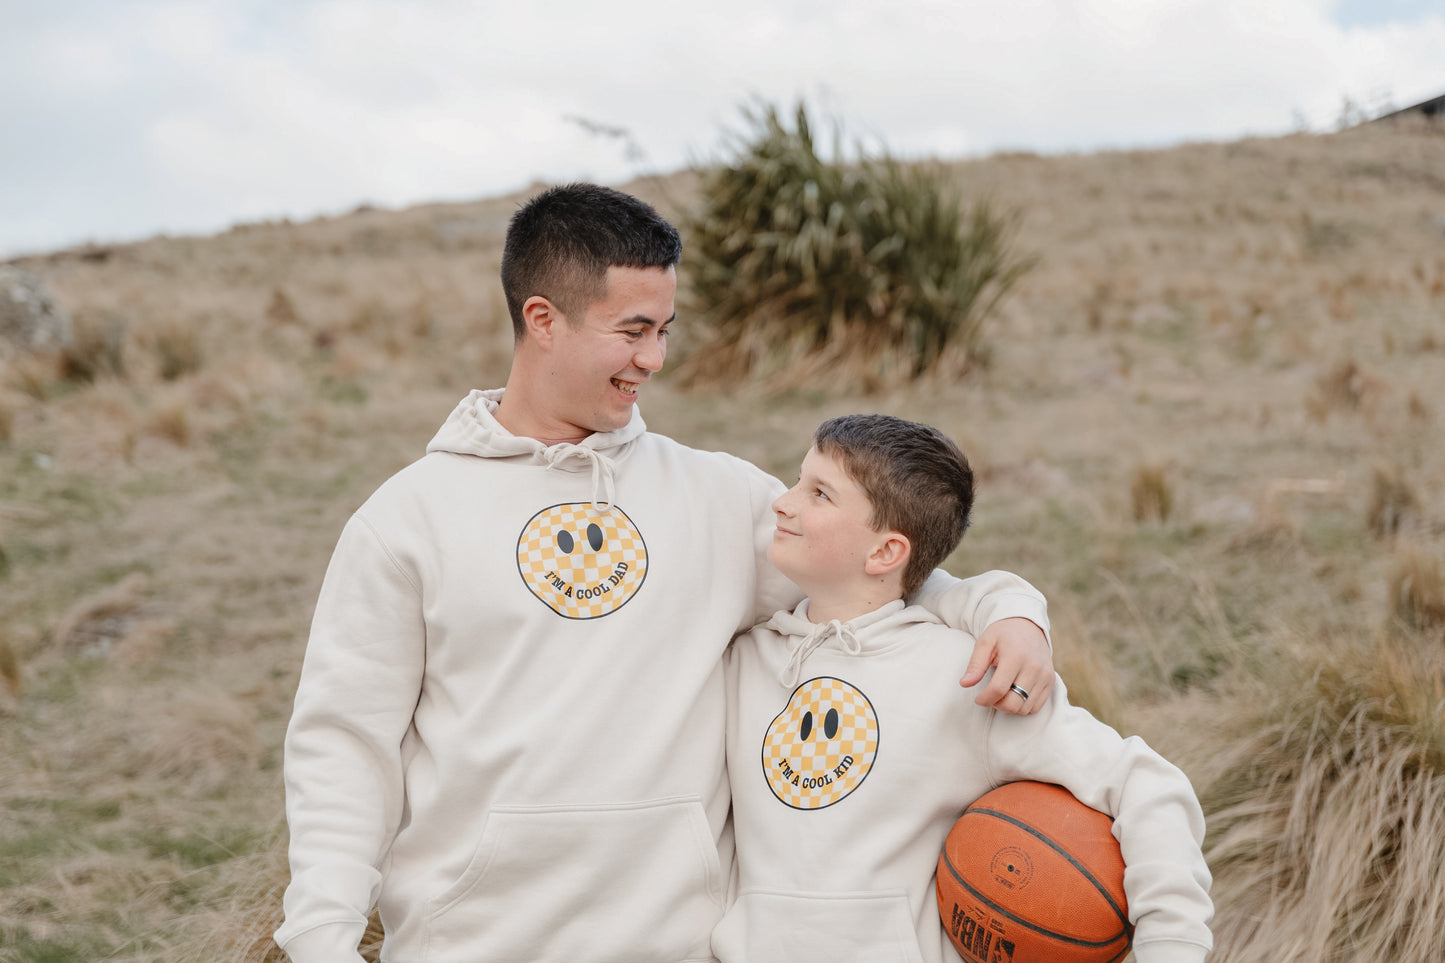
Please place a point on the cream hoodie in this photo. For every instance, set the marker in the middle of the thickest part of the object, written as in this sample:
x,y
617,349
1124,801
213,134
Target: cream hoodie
x,y
509,728
851,753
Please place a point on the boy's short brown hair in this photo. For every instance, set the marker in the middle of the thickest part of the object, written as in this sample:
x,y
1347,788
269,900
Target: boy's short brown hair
x,y
917,480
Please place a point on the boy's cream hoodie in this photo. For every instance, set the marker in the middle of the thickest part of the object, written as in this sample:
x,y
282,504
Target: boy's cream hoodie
x,y
852,751
509,729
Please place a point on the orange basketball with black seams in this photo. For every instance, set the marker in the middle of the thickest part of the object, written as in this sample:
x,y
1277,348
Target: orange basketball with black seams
x,y
1029,874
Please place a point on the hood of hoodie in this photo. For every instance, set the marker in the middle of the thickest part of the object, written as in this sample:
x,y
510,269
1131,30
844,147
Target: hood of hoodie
x,y
472,429
871,631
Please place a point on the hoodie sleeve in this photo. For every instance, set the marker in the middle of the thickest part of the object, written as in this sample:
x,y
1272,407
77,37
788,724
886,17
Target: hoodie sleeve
x,y
359,685
1157,817
973,604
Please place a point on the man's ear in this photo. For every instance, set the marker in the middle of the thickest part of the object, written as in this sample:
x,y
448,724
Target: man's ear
x,y
889,555
540,317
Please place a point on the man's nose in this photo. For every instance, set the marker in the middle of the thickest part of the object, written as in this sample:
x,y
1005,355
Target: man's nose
x,y
650,354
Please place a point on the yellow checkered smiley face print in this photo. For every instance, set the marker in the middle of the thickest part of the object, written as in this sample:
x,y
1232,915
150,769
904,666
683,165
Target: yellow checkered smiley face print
x,y
583,563
822,745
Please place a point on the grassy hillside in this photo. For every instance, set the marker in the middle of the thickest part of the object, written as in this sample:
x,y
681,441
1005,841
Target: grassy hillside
x,y
1208,427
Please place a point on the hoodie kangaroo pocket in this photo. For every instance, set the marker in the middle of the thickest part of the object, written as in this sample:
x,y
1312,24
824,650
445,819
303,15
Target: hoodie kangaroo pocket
x,y
818,928
628,883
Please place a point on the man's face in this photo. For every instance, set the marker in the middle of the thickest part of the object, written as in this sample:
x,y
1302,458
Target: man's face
x,y
601,360
823,534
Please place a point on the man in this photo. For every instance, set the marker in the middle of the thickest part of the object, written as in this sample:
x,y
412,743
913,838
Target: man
x,y
509,729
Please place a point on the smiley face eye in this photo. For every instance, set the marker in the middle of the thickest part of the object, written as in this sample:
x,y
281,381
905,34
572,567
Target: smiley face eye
x,y
594,537
830,723
807,729
564,542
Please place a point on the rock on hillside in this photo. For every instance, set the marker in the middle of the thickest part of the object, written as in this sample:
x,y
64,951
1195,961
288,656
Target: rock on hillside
x,y
30,320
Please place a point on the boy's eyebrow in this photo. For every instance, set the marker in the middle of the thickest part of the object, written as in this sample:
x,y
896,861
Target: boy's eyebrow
x,y
817,481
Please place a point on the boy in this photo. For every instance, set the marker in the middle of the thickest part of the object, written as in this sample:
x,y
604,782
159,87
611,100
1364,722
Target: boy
x,y
867,758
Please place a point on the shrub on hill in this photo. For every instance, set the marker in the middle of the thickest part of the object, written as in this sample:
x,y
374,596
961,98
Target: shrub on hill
x,y
869,272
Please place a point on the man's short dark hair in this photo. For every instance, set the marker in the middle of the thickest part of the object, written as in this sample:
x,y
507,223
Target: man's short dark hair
x,y
917,480
561,243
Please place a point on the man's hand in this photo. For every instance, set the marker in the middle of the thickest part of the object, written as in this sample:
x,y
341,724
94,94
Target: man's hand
x,y
1021,657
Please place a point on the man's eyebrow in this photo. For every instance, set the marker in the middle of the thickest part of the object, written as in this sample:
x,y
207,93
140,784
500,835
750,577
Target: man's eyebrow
x,y
644,319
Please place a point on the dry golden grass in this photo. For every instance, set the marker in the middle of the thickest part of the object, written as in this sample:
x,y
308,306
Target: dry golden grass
x,y
1327,810
100,617
1262,317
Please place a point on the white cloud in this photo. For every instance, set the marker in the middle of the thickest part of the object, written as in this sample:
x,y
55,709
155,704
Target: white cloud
x,y
181,116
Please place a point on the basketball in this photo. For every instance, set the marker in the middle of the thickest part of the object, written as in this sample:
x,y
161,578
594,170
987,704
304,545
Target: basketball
x,y
1029,874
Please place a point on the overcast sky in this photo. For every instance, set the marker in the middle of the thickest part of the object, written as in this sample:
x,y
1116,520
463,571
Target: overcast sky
x,y
121,119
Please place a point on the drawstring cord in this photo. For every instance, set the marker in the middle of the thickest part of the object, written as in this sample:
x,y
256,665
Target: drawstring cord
x,y
805,647
602,479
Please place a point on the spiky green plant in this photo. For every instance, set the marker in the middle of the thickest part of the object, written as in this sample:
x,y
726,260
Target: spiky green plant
x,y
869,271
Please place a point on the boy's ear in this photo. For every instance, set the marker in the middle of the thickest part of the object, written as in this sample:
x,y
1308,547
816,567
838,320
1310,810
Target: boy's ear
x,y
889,555
539,317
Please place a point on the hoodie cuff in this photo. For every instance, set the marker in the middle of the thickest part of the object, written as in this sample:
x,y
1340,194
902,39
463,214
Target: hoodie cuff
x,y
328,943
1022,607
1169,951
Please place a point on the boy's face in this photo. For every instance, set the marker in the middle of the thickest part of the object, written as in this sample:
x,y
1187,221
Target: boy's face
x,y
823,535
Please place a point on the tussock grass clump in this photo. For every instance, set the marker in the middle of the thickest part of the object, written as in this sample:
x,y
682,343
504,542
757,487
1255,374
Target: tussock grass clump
x,y
867,271
1151,496
102,615
1417,589
1393,503
1327,817
177,349
9,411
281,311
98,349
34,375
9,669
206,739
1345,387
171,419
1418,410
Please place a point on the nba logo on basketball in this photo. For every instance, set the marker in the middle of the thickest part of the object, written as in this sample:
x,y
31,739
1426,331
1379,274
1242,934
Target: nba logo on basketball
x,y
975,941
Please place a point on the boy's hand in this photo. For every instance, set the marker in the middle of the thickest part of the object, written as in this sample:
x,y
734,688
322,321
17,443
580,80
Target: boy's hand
x,y
1021,657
